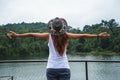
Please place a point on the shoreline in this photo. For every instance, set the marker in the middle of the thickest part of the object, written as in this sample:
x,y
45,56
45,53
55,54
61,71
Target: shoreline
x,y
93,53
96,53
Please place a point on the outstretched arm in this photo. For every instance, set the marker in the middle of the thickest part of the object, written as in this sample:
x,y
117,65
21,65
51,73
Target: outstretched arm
x,y
12,34
101,35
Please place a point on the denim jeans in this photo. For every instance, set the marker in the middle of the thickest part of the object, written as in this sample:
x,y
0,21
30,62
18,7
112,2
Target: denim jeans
x,y
58,74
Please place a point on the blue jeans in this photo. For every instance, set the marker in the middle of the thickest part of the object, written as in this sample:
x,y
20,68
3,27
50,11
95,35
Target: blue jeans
x,y
58,74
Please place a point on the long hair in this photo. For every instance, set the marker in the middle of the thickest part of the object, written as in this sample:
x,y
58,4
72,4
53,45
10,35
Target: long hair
x,y
60,43
59,37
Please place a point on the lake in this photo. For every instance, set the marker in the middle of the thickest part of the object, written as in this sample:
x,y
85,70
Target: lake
x,y
36,70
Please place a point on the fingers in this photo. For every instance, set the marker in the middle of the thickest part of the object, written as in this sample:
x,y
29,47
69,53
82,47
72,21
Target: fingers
x,y
104,35
12,32
108,35
8,35
104,32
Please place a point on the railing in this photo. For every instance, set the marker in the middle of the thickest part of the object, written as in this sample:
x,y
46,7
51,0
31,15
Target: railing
x,y
85,61
9,77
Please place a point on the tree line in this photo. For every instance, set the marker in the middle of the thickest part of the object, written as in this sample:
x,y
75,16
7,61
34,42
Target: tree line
x,y
23,47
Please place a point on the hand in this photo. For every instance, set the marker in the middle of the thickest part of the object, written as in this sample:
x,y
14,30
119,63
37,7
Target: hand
x,y
103,35
11,34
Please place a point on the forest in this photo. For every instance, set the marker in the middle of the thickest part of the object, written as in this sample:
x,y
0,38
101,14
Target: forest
x,y
24,47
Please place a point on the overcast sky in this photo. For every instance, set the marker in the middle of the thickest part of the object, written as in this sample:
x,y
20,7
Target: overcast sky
x,y
77,12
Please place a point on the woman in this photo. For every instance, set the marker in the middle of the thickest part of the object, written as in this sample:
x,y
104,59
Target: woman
x,y
57,65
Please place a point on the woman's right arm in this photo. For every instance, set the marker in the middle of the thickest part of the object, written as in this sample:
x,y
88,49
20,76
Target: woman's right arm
x,y
12,34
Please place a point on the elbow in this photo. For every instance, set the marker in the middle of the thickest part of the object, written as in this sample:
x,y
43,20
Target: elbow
x,y
30,35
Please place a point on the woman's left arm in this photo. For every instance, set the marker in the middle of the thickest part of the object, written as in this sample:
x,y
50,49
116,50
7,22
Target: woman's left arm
x,y
101,35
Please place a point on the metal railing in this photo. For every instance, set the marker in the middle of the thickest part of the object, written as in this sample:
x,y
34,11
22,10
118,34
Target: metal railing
x,y
9,77
85,61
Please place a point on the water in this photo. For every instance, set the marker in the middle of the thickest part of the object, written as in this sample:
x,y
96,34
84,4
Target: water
x,y
36,70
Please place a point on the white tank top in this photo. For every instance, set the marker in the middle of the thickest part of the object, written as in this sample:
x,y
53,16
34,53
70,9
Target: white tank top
x,y
54,59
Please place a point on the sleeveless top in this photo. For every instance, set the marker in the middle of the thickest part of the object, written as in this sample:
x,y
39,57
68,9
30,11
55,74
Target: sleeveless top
x,y
55,60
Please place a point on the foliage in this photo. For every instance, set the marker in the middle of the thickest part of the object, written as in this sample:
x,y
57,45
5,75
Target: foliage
x,y
23,47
